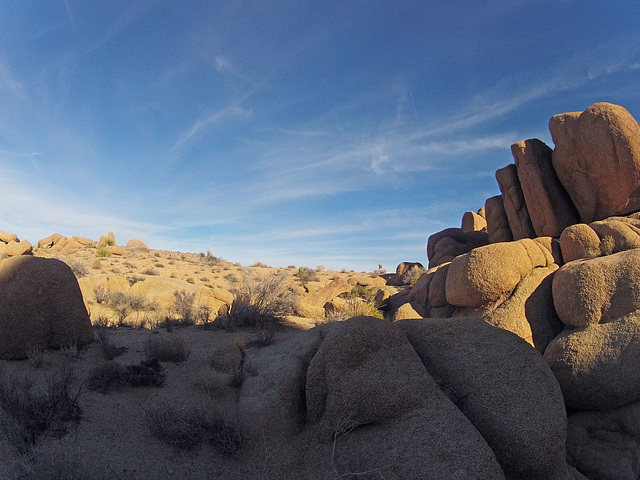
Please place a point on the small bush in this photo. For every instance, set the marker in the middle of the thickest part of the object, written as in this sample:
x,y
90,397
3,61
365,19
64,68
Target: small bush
x,y
37,356
262,301
150,271
307,275
193,425
113,376
607,245
79,268
183,306
190,280
103,252
30,413
107,347
167,348
101,294
109,242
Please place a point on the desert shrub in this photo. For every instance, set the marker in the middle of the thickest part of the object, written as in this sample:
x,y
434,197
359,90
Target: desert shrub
x,y
103,252
78,267
102,319
203,314
190,280
192,425
151,320
183,306
30,412
150,271
57,461
262,301
411,276
113,376
101,294
306,274
361,308
133,279
167,348
158,265
107,347
607,245
109,242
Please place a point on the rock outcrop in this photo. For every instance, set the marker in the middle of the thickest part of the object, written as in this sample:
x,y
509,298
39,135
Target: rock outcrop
x,y
597,159
41,307
514,203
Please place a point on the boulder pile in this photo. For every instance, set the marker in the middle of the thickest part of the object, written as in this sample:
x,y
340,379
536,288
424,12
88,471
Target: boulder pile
x,y
558,264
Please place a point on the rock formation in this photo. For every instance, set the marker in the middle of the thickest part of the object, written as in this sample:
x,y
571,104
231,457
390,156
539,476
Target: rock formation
x,y
569,285
41,307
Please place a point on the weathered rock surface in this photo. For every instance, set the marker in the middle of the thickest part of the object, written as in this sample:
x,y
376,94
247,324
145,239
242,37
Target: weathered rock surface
x,y
579,241
514,203
444,246
14,249
497,221
588,292
597,366
548,204
41,306
8,237
476,365
604,444
597,159
473,222
407,272
624,231
489,273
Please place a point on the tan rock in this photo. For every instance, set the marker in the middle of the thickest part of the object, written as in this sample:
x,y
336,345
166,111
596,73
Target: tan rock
x,y
136,244
117,250
408,272
103,241
548,203
366,281
328,292
529,312
52,240
497,222
579,241
503,386
335,306
405,312
473,222
597,159
8,237
15,249
597,366
514,203
489,273
444,246
85,242
437,286
112,238
624,231
588,292
41,306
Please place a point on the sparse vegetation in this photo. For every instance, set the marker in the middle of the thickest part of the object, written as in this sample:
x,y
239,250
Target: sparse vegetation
x,y
192,425
183,306
78,267
112,376
167,348
107,347
30,413
103,252
262,301
150,271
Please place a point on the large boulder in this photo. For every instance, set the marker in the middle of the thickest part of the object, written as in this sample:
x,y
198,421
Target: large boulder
x,y
8,237
497,222
15,249
579,241
597,159
473,222
624,231
605,444
138,245
444,246
529,311
41,306
549,206
503,386
597,366
408,272
514,203
588,292
490,273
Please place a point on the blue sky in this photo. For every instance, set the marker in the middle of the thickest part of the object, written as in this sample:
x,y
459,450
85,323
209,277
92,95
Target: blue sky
x,y
335,133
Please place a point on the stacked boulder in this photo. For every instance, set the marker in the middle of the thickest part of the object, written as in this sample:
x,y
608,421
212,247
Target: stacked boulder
x,y
560,268
11,246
